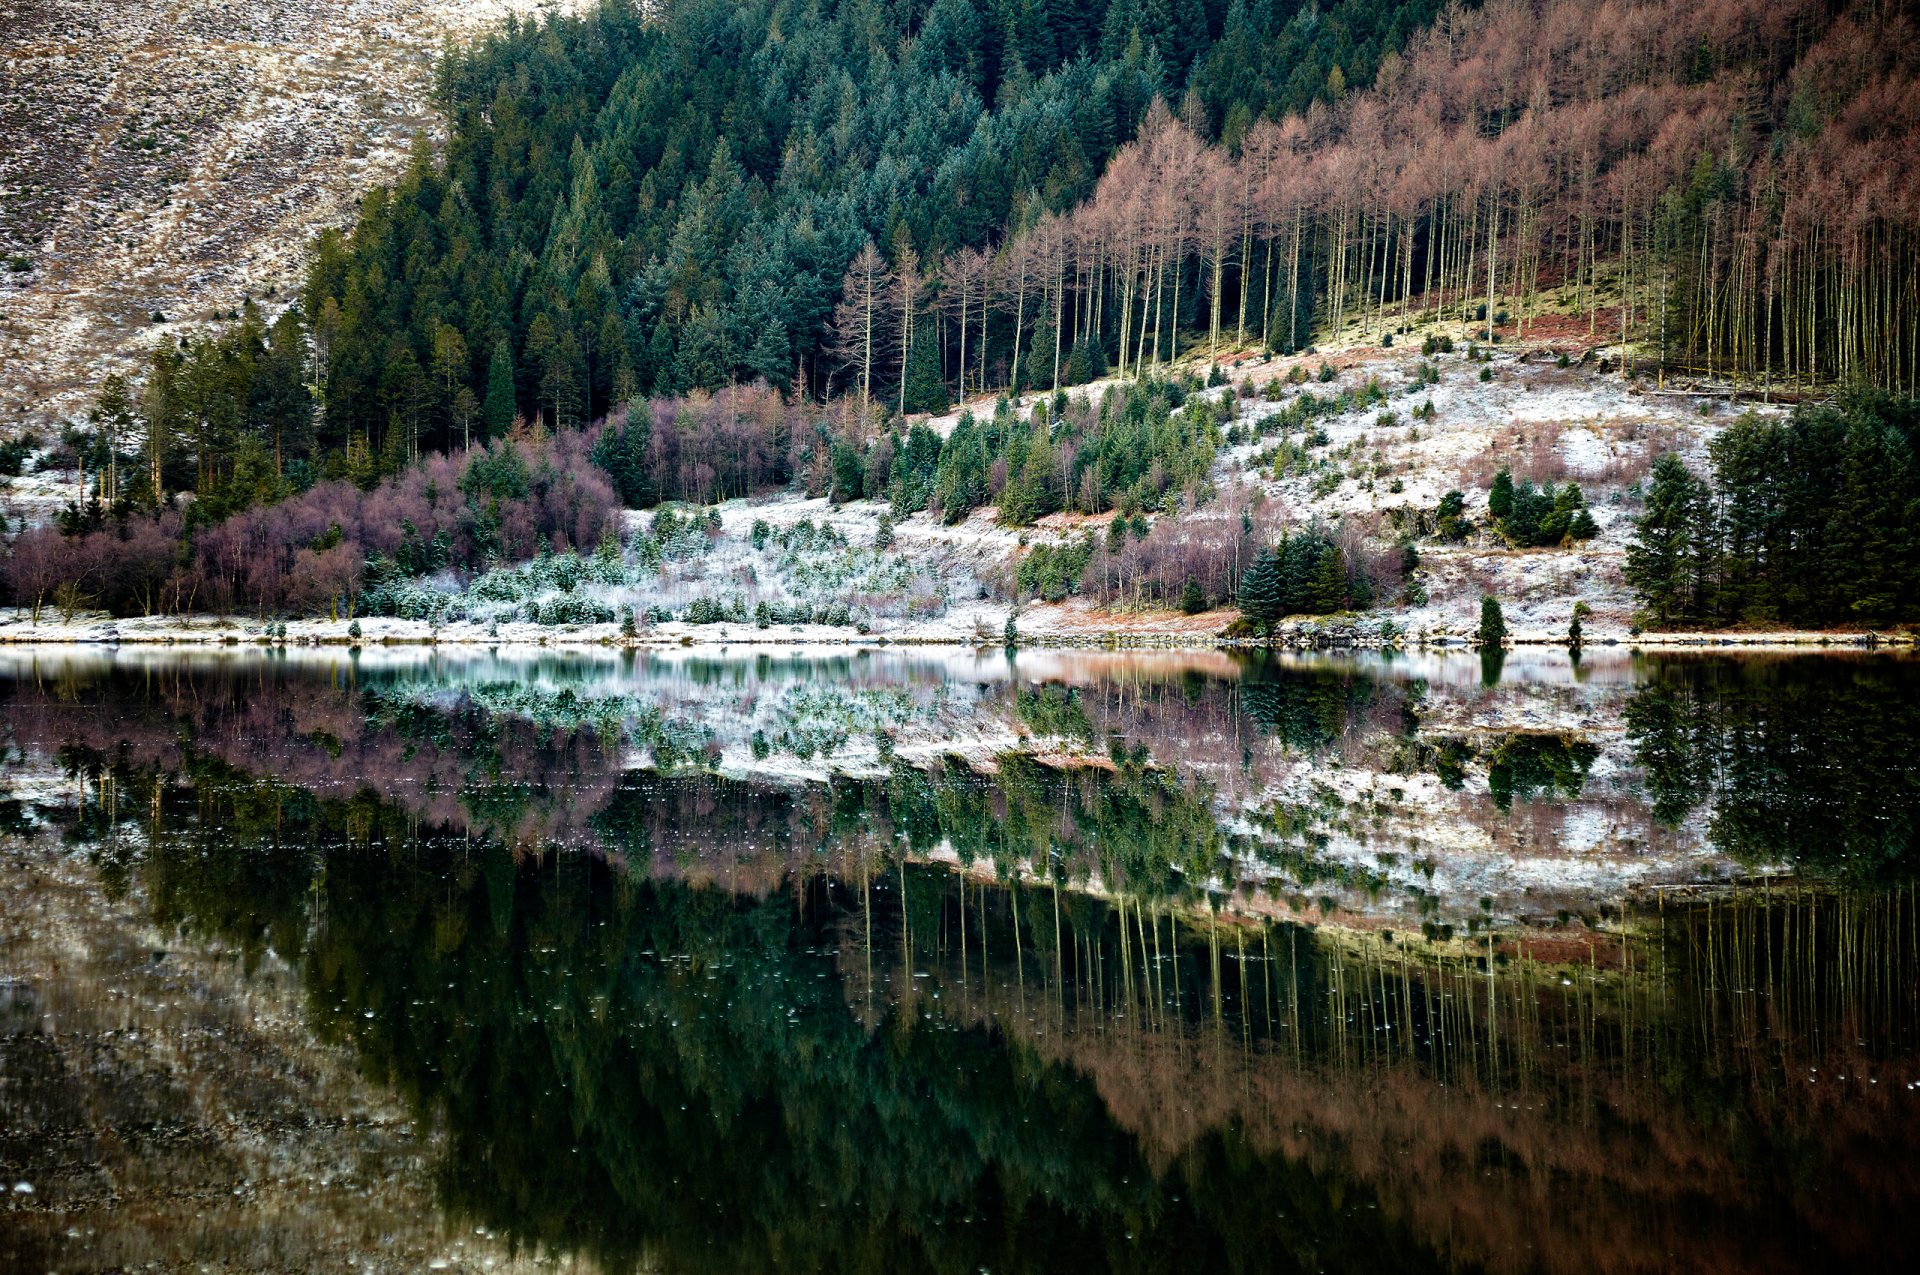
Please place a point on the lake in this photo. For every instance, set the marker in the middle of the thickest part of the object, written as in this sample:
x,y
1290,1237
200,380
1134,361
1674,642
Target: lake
x,y
903,959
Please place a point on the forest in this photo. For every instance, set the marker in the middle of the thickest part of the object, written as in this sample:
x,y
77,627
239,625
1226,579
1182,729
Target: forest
x,y
757,239
943,211
1805,521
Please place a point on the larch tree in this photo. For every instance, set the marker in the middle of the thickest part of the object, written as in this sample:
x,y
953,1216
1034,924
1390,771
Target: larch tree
x,y
859,320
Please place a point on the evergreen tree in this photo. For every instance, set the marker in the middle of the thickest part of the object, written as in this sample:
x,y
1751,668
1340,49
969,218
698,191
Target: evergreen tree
x,y
1259,598
1493,625
925,391
1663,565
499,409
1328,591
1500,499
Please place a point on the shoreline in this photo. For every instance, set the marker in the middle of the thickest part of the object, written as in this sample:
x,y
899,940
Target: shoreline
x,y
214,631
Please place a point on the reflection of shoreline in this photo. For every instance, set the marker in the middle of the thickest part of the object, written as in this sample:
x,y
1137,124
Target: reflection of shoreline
x,y
1640,1113
1377,792
1340,636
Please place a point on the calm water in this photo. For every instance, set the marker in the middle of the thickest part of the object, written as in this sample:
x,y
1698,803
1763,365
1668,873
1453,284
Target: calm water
x,y
954,962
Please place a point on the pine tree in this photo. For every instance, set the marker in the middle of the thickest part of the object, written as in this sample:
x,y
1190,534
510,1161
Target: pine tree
x,y
1260,591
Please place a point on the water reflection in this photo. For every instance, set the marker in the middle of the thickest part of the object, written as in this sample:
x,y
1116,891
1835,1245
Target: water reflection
x,y
966,966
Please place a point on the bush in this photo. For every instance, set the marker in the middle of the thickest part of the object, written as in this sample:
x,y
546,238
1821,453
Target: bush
x,y
1450,518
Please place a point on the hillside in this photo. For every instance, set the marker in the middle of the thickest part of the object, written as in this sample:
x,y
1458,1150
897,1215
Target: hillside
x,y
1371,484
178,155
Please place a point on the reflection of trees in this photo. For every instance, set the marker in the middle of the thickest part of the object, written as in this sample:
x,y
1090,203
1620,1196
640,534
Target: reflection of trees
x,y
1805,761
1306,709
648,1072
1529,766
1643,1108
840,1075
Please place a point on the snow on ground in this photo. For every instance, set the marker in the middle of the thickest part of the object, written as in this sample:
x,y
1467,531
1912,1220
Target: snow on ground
x,y
1584,423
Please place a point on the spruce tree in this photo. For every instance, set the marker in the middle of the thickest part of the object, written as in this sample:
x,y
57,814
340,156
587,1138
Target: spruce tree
x,y
1500,499
1493,625
496,415
925,391
1329,586
1576,632
1260,592
1662,567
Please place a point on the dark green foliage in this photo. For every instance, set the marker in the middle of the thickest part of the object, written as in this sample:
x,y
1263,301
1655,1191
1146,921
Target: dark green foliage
x,y
915,470
1807,521
622,452
649,200
1053,571
1086,362
1193,600
925,391
1054,711
1144,442
1306,574
1261,591
1308,710
1668,557
1531,517
14,453
1529,767
1500,498
498,411
1450,522
1492,633
1807,762
849,475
